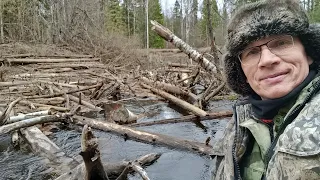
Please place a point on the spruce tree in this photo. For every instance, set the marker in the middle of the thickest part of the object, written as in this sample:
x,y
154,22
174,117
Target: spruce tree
x,y
155,41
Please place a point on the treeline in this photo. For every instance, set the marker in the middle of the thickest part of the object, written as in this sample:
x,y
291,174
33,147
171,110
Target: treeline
x,y
73,21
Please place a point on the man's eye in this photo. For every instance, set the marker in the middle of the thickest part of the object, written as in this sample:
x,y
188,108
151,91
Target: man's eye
x,y
280,43
251,52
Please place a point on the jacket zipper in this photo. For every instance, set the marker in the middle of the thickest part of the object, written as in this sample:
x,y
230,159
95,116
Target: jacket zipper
x,y
286,122
237,175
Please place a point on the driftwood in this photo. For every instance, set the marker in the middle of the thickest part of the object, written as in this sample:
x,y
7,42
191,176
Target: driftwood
x,y
183,104
35,55
188,118
28,116
77,100
6,113
112,169
73,66
181,65
62,93
153,138
33,121
193,54
170,88
31,61
215,91
44,147
43,106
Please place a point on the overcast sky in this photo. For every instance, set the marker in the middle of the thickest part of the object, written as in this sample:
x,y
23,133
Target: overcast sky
x,y
167,5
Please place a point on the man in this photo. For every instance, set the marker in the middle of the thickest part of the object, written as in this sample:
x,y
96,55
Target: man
x,y
272,57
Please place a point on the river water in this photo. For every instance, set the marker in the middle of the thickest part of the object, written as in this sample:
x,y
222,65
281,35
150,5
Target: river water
x,y
173,164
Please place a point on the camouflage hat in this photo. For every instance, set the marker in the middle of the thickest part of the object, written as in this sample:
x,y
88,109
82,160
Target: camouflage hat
x,y
260,19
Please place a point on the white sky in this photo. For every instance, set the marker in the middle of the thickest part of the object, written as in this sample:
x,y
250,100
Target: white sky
x,y
168,4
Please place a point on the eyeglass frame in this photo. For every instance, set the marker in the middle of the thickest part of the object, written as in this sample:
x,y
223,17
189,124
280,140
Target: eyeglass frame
x,y
266,44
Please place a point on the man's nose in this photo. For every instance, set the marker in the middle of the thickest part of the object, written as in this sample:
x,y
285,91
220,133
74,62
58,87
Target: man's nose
x,y
267,58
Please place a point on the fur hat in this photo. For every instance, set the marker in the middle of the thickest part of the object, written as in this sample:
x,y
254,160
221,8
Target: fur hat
x,y
260,19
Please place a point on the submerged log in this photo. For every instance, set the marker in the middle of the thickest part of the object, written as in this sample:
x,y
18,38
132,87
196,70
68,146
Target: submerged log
x,y
112,169
153,138
43,146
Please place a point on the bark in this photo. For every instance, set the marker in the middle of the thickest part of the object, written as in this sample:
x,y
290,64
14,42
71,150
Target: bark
x,y
193,54
183,104
215,92
189,118
73,66
153,138
44,106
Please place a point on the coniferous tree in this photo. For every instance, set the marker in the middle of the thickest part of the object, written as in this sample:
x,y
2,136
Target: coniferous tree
x,y
114,19
155,41
176,18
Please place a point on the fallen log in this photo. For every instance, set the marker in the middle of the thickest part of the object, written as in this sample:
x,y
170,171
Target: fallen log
x,y
43,146
20,117
62,93
77,100
45,106
171,88
166,34
32,61
112,169
153,138
73,66
183,104
188,118
33,121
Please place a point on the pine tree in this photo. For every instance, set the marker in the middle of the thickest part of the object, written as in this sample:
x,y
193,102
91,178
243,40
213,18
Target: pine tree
x,y
215,16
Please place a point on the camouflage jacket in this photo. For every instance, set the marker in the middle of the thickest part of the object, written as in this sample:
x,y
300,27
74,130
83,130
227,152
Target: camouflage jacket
x,y
293,153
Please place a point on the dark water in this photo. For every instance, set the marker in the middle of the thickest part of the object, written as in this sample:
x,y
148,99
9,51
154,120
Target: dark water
x,y
173,164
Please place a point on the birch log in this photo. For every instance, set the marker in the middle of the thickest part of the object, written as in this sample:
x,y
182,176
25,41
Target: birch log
x,y
166,34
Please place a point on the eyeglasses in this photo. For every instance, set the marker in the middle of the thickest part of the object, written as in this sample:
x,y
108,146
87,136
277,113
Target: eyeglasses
x,y
278,46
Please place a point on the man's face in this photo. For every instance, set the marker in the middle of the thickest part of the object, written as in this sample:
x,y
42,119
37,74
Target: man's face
x,y
274,76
